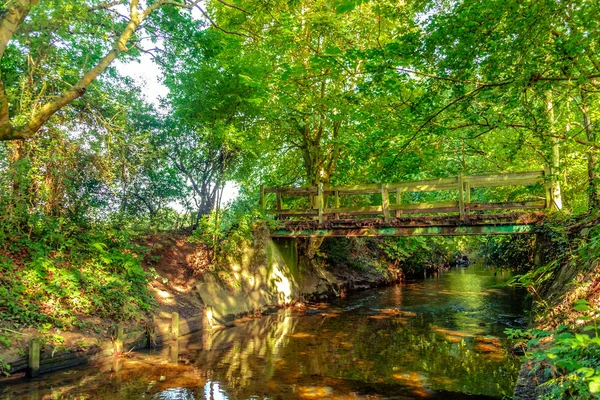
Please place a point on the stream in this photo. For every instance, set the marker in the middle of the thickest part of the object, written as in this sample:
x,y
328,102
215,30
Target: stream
x,y
439,338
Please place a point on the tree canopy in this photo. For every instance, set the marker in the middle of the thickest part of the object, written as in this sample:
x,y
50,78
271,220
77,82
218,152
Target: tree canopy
x,y
288,93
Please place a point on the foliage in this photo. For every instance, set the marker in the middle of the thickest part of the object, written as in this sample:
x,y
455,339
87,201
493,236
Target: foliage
x,y
511,252
61,273
570,360
228,231
413,255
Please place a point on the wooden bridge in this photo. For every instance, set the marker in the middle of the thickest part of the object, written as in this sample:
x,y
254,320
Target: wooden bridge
x,y
349,210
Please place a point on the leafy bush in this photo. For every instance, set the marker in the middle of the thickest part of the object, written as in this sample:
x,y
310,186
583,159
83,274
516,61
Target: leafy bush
x,y
514,252
60,274
570,360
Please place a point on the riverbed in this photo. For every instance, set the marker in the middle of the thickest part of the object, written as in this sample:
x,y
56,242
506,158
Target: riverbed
x,y
438,338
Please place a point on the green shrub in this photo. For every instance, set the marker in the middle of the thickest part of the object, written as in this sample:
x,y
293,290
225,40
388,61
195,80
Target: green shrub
x,y
570,360
60,274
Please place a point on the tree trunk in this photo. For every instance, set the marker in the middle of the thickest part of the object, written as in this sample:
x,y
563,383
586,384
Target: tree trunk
x,y
14,14
592,156
555,154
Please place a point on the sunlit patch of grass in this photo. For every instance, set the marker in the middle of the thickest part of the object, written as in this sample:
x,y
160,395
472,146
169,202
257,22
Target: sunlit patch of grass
x,y
62,281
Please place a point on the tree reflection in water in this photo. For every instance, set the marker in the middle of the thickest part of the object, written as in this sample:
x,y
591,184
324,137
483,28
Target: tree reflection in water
x,y
435,339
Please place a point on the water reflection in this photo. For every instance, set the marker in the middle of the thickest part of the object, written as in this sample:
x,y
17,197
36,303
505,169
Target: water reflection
x,y
441,338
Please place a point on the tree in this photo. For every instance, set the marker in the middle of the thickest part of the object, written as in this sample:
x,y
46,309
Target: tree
x,y
51,55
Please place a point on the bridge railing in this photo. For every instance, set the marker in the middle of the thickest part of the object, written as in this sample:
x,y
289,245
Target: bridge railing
x,y
319,196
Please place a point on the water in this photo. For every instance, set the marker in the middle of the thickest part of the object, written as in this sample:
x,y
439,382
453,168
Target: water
x,y
441,338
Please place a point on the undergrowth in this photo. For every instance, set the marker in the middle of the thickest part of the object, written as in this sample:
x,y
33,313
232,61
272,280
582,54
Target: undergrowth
x,y
58,274
568,357
565,345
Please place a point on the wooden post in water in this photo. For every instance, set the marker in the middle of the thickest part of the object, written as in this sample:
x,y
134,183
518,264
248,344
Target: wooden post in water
x,y
461,197
207,318
385,203
118,343
174,325
320,202
34,358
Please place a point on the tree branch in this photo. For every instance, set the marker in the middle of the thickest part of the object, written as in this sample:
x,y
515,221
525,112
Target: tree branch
x,y
12,16
21,8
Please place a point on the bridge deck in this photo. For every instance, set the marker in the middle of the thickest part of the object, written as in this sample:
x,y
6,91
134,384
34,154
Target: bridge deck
x,y
351,214
497,224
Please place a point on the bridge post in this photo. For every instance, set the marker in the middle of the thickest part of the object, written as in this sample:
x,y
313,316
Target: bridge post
x,y
320,202
467,198
279,204
461,197
263,204
336,203
398,202
385,203
553,200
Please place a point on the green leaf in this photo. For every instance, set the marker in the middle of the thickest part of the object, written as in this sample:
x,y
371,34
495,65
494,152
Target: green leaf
x,y
346,6
581,305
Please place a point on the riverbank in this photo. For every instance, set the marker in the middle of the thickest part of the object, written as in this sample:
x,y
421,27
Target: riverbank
x,y
182,280
563,356
438,338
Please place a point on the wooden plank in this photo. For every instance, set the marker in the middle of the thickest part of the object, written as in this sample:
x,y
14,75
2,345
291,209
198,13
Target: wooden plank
x,y
512,205
516,182
425,206
398,202
426,188
354,210
370,187
512,229
428,185
430,210
357,191
294,212
510,179
385,203
301,191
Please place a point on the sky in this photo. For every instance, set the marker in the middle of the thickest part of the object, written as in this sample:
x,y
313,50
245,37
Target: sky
x,y
146,73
